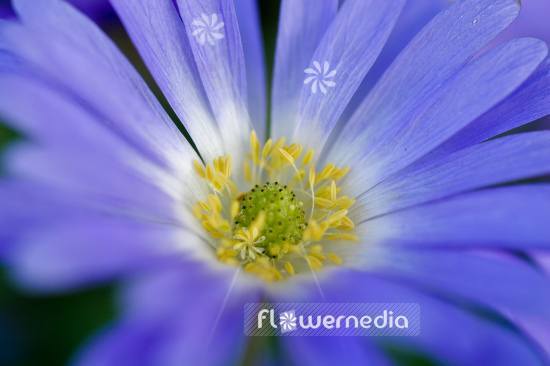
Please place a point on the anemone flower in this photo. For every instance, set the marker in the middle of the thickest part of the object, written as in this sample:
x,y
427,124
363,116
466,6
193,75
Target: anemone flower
x,y
403,202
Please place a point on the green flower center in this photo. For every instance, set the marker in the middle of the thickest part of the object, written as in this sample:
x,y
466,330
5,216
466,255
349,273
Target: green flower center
x,y
283,219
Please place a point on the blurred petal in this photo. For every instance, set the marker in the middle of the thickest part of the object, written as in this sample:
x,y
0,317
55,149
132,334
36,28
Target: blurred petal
x,y
327,351
187,316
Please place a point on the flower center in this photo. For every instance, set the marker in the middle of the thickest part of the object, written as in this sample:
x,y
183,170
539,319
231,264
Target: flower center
x,y
283,219
276,229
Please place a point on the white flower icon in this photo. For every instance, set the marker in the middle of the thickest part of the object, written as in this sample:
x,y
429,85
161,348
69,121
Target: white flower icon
x,y
287,320
208,28
320,77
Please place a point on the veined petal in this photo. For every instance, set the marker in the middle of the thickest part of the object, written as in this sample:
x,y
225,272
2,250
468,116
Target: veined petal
x,y
360,27
158,33
506,159
251,36
461,30
513,217
222,70
302,24
528,103
482,84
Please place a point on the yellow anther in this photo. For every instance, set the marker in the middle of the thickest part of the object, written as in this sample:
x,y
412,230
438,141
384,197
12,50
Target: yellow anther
x,y
347,222
254,145
316,248
333,191
341,173
343,236
290,269
318,256
311,175
314,263
344,202
217,235
209,173
334,258
308,157
216,164
278,144
323,202
199,169
214,202
204,206
336,217
197,211
287,156
228,166
267,148
234,210
326,171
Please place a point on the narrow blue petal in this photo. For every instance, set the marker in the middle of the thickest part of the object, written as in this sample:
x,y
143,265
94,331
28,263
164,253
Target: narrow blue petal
x,y
347,51
513,217
435,55
302,24
213,33
251,36
158,33
482,84
473,277
528,103
507,159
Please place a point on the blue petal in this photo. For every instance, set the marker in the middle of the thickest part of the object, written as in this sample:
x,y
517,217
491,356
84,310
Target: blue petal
x,y
158,33
437,53
221,67
507,159
177,313
528,103
478,278
513,217
349,47
72,50
251,35
473,340
478,87
327,351
82,77
302,24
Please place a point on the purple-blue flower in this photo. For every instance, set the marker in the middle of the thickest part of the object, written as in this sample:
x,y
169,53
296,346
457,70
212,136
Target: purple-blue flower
x,y
402,197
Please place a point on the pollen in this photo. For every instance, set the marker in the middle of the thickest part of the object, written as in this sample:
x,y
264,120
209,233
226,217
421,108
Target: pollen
x,y
280,226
